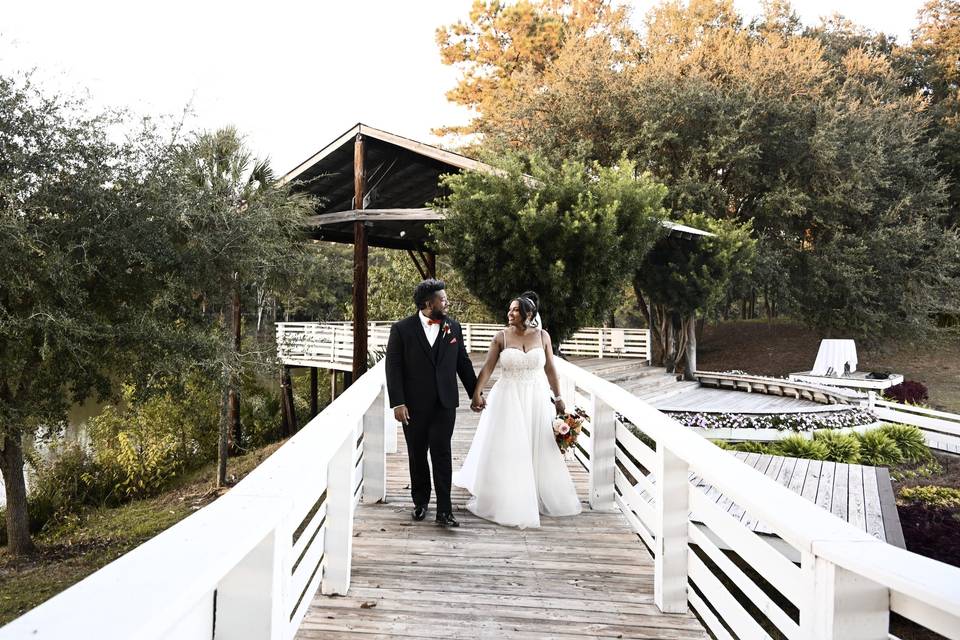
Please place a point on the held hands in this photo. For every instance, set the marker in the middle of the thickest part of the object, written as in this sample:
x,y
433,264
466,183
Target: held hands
x,y
478,403
401,414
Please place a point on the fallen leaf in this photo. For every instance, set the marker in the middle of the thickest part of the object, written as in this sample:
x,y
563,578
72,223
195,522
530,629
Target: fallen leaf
x,y
368,605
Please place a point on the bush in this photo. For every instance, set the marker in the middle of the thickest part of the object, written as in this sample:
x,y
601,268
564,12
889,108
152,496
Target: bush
x,y
908,392
796,446
841,447
878,449
932,496
752,446
910,441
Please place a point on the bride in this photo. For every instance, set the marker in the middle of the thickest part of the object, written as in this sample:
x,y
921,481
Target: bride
x,y
514,469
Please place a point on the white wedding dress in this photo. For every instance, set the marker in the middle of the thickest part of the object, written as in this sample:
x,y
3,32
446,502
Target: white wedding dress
x,y
514,469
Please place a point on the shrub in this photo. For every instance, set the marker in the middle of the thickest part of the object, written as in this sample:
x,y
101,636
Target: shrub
x,y
908,392
752,446
910,441
841,447
723,444
878,449
796,446
932,496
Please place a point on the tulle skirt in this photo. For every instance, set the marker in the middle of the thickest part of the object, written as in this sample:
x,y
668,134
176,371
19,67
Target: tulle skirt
x,y
514,469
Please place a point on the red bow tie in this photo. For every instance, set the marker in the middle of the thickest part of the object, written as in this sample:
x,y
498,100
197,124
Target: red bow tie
x,y
431,321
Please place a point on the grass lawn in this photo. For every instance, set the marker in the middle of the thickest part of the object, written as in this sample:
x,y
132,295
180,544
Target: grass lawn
x,y
79,545
781,347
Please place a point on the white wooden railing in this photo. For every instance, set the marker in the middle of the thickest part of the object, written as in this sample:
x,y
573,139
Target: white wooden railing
x,y
248,565
940,428
846,584
330,344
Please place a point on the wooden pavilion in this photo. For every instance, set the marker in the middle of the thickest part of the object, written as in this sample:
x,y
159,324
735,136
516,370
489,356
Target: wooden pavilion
x,y
374,188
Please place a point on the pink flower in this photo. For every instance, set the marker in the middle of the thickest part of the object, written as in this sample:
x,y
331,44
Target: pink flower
x,y
564,429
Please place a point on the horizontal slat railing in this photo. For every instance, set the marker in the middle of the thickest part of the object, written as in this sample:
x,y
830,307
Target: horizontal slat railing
x,y
331,343
249,564
846,584
940,428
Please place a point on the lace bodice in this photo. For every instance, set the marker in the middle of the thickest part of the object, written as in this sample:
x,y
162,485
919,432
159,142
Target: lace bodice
x,y
521,365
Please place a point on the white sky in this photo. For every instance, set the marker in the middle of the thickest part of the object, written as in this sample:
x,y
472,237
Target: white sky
x,y
291,75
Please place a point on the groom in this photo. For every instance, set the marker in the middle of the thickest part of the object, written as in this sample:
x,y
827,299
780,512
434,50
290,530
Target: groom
x,y
425,354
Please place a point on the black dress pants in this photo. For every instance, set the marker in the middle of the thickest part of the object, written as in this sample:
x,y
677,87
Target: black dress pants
x,y
430,430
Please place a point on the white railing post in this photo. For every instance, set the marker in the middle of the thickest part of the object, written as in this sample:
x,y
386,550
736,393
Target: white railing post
x,y
603,457
390,425
375,452
468,337
672,495
600,336
842,605
338,544
568,391
249,598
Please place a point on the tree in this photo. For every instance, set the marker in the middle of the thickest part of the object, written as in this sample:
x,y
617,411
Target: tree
x,y
251,232
679,278
88,284
806,134
573,233
500,41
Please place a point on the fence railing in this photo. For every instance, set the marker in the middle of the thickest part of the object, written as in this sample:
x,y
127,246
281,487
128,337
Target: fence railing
x,y
846,584
941,429
249,564
330,344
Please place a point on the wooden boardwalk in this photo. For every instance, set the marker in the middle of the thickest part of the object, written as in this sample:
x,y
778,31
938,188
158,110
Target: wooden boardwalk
x,y
587,576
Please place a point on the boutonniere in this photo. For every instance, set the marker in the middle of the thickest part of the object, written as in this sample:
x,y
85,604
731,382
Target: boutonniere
x,y
445,328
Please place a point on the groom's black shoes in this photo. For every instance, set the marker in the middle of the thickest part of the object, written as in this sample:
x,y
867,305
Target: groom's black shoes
x,y
420,512
447,520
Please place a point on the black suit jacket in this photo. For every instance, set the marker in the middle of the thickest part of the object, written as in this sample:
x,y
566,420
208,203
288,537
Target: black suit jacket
x,y
417,379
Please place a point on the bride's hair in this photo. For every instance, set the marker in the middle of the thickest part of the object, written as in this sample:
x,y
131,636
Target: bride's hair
x,y
528,307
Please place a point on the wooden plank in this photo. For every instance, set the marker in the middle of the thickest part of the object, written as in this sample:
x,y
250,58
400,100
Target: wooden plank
x,y
871,497
856,515
838,505
888,508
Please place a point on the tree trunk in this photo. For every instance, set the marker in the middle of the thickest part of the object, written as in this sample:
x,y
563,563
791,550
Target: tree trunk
x,y
19,542
236,431
691,366
223,443
670,353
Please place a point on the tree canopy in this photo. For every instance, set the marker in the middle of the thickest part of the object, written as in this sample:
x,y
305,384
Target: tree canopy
x,y
571,232
808,135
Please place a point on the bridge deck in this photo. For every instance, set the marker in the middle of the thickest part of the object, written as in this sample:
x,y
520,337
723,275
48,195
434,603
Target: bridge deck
x,y
586,576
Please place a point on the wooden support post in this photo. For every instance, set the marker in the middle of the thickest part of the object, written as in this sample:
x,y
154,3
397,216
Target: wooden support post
x,y
333,384
672,495
602,458
359,265
346,379
314,399
374,453
338,543
286,403
844,605
431,261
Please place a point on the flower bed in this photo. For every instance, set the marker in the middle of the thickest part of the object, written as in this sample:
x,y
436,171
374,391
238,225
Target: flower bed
x,y
797,422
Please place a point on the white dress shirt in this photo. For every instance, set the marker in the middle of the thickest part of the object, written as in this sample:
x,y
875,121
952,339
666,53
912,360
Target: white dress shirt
x,y
431,330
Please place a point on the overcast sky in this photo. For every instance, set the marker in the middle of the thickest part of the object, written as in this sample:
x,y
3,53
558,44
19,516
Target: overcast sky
x,y
291,75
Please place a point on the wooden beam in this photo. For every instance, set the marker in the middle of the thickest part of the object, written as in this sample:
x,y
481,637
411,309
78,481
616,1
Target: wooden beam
x,y
431,260
421,268
359,264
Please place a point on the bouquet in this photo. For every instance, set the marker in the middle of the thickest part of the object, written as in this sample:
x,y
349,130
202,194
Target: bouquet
x,y
566,429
